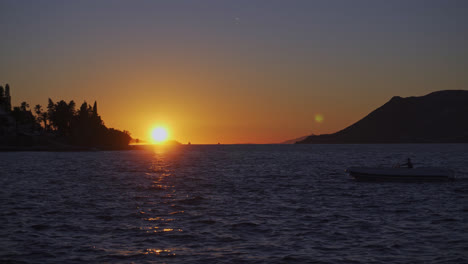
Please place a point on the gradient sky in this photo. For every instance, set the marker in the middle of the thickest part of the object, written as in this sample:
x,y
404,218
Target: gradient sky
x,y
232,71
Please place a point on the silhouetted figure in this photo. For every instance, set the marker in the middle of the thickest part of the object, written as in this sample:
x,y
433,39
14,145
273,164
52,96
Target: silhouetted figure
x,y
408,164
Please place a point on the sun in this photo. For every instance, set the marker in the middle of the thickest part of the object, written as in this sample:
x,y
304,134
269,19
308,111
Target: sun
x,y
159,134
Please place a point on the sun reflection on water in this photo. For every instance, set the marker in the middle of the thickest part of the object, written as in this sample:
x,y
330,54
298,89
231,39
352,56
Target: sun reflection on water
x,y
157,229
155,251
159,217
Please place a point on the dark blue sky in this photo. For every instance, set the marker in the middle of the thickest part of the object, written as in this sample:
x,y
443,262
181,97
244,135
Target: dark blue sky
x,y
289,60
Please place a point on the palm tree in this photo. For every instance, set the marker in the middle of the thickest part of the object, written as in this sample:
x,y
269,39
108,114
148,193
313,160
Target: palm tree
x,y
24,106
41,116
38,109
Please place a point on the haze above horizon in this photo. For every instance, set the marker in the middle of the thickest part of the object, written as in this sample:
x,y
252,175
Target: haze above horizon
x,y
232,72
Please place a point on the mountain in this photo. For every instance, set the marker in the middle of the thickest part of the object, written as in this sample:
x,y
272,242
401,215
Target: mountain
x,y
438,117
171,142
293,141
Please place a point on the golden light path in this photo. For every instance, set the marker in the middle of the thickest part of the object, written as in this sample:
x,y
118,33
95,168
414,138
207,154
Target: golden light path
x,y
159,135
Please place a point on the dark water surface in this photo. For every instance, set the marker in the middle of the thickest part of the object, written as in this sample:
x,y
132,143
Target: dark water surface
x,y
231,204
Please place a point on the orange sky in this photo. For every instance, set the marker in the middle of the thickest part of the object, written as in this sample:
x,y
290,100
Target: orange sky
x,y
231,73
194,109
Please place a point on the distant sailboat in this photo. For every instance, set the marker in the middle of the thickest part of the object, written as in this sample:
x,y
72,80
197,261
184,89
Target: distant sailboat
x,y
189,143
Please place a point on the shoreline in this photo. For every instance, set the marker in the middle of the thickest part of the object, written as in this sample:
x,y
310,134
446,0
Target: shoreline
x,y
69,148
61,149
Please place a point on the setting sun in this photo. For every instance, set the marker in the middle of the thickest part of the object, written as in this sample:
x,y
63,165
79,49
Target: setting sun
x,y
159,134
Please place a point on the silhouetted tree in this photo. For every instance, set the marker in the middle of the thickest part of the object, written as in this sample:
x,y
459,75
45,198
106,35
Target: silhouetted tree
x,y
24,106
3,125
50,105
87,126
61,116
23,117
6,101
2,99
41,116
83,112
38,109
44,118
51,112
95,113
71,107
114,137
83,127
16,113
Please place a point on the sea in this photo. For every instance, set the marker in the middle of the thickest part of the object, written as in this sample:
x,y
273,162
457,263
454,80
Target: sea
x,y
231,204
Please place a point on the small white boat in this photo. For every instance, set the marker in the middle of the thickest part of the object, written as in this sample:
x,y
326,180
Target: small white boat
x,y
401,174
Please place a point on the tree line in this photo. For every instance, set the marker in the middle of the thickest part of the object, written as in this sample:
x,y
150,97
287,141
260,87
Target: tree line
x,y
83,126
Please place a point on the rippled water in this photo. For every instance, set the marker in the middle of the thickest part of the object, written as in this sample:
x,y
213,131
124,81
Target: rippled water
x,y
231,204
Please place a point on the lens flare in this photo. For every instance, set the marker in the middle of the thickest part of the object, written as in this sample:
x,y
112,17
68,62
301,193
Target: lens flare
x,y
318,118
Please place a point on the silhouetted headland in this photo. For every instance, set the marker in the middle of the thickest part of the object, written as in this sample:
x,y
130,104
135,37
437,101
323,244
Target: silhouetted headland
x,y
438,117
293,141
58,127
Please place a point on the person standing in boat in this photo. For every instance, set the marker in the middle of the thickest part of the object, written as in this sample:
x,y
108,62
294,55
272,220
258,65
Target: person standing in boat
x,y
408,164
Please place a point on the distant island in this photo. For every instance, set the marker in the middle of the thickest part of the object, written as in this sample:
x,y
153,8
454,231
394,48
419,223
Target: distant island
x,y
60,126
438,117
